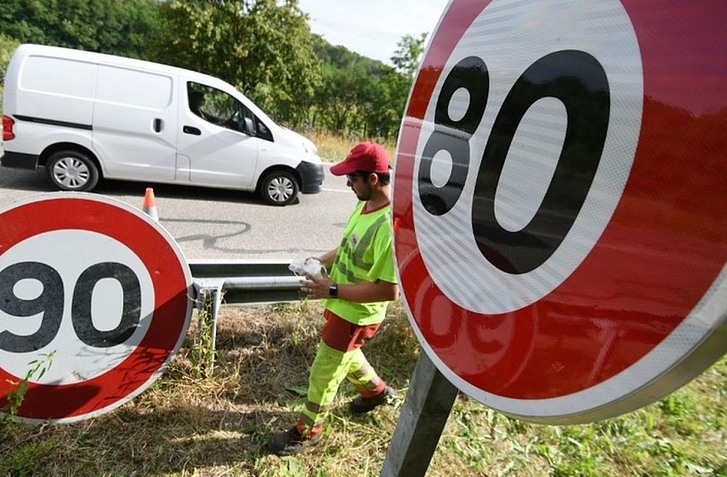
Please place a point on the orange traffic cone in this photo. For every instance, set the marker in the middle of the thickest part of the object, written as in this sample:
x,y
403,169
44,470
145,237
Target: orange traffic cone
x,y
150,204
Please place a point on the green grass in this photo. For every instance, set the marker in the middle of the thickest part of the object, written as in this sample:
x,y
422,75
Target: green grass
x,y
188,426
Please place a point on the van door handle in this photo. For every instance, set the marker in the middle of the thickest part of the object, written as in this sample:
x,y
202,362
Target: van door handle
x,y
157,125
191,130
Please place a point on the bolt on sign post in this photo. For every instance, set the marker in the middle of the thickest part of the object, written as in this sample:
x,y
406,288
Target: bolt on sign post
x,y
560,208
96,292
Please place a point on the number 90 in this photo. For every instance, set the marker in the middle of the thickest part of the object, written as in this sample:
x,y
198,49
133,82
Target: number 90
x,y
51,302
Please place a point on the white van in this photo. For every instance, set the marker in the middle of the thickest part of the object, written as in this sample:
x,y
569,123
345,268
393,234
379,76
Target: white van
x,y
88,116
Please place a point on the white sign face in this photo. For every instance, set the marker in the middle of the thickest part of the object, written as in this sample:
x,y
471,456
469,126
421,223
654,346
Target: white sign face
x,y
95,295
609,59
559,239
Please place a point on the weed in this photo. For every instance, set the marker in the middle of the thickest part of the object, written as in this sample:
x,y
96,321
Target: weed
x,y
37,369
202,354
22,460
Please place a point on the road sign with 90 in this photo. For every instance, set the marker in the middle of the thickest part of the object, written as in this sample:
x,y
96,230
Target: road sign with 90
x,y
96,292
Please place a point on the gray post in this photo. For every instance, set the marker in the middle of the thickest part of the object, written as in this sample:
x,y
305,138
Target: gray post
x,y
422,419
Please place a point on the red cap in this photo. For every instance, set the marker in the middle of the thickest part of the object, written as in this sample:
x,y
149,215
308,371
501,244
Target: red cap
x,y
367,157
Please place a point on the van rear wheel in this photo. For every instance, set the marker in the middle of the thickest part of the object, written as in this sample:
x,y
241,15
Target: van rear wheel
x,y
279,188
72,171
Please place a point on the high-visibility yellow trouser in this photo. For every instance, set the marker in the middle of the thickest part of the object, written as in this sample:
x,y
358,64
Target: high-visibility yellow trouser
x,y
329,369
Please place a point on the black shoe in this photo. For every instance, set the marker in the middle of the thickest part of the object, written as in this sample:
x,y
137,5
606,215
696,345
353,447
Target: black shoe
x,y
291,442
362,404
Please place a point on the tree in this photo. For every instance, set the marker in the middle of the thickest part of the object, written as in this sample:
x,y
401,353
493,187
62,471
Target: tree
x,y
263,47
356,96
398,82
364,96
408,54
108,26
7,46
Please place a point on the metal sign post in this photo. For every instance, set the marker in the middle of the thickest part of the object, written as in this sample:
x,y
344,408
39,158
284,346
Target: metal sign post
x,y
422,418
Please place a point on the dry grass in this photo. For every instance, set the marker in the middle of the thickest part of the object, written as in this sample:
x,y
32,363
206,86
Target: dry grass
x,y
333,148
218,426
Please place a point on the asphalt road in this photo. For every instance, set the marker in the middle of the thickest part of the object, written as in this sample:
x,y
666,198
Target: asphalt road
x,y
220,225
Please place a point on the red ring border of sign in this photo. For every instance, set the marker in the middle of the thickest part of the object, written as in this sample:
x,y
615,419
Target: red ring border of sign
x,y
424,299
169,274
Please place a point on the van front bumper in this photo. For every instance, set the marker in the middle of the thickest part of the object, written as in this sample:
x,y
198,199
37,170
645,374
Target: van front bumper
x,y
19,160
311,177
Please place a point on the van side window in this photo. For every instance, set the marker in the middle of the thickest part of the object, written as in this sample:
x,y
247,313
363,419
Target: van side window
x,y
260,130
209,103
263,131
221,109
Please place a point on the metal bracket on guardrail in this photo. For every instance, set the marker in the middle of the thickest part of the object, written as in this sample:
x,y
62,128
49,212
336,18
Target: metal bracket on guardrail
x,y
209,298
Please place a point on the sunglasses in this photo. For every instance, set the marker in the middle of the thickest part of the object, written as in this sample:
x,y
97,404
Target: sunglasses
x,y
352,176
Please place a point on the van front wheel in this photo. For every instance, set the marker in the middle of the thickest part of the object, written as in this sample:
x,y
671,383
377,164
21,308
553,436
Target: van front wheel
x,y
72,170
279,188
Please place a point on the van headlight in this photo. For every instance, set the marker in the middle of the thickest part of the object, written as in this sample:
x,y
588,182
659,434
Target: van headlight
x,y
310,148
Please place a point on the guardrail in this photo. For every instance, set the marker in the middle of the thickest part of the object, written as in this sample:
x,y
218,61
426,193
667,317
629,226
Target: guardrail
x,y
248,281
237,283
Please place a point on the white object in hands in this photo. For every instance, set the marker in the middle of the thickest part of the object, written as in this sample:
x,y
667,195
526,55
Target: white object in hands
x,y
303,263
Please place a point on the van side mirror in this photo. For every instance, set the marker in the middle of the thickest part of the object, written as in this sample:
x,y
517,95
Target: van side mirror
x,y
248,127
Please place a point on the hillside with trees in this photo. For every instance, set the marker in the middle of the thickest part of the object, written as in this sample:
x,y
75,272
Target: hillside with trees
x,y
265,48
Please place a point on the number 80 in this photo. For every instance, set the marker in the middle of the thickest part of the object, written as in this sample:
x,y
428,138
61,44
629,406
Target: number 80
x,y
575,78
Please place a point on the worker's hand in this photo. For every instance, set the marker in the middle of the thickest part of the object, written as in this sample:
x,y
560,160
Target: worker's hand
x,y
316,287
